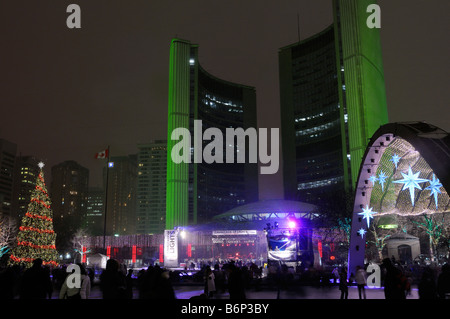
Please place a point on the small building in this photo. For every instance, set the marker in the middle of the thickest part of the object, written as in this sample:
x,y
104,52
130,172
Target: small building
x,y
403,247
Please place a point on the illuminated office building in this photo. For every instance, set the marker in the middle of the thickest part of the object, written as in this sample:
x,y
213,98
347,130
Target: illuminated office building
x,y
95,211
69,194
151,187
198,191
333,99
121,195
25,174
7,161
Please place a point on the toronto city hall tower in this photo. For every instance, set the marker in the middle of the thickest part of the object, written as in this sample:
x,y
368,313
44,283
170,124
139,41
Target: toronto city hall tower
x,y
332,97
196,192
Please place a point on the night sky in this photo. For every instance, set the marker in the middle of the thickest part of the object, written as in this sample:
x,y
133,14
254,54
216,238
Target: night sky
x,y
69,93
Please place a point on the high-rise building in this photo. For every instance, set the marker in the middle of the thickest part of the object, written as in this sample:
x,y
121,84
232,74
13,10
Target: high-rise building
x,y
121,195
25,175
7,161
197,191
69,194
333,99
151,187
95,211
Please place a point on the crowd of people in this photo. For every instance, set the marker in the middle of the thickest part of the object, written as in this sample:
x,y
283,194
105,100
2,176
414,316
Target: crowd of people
x,y
397,281
155,282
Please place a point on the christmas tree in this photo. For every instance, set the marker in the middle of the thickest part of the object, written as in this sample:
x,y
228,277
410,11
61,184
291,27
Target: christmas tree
x,y
36,237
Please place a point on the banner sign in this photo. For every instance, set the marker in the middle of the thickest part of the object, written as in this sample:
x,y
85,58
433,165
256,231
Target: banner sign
x,y
233,232
171,248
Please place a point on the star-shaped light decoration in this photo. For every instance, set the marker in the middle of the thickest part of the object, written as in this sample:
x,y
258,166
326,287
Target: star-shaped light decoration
x,y
395,159
382,179
434,188
41,165
411,181
362,232
367,214
373,179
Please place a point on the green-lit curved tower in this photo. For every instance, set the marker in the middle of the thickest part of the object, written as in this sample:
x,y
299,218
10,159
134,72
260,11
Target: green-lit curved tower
x,y
197,191
364,76
332,98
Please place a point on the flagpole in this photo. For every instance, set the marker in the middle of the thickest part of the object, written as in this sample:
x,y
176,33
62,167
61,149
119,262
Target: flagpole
x,y
106,201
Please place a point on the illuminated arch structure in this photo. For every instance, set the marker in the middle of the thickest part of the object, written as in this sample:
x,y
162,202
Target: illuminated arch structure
x,y
406,171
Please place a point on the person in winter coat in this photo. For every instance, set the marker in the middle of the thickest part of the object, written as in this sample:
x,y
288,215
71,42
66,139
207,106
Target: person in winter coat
x,y
361,280
82,292
343,284
210,285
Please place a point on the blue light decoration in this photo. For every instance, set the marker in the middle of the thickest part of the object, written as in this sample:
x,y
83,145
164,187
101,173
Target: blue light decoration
x,y
373,179
411,181
434,189
395,159
367,214
362,232
382,179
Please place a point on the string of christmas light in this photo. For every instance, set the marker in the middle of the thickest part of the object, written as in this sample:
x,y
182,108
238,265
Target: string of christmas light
x,y
30,260
28,214
24,228
40,202
25,243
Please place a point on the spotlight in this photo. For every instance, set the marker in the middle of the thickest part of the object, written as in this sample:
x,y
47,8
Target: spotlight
x,y
292,224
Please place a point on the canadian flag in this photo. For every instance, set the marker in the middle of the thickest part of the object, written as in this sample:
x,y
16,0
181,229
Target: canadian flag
x,y
102,154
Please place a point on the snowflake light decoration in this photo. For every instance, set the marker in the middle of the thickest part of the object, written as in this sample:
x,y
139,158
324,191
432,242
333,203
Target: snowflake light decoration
x,y
362,232
367,214
395,159
434,188
411,181
373,179
382,179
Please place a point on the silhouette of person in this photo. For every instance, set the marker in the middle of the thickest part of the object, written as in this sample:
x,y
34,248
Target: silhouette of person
x,y
394,282
427,285
343,284
8,281
36,283
129,281
236,287
443,282
112,281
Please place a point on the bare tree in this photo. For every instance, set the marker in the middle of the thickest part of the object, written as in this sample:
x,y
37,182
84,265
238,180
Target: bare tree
x,y
379,238
79,241
8,232
434,229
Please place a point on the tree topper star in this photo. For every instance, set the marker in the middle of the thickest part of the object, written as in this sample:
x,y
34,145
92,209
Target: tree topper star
x,y
367,214
41,165
411,181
